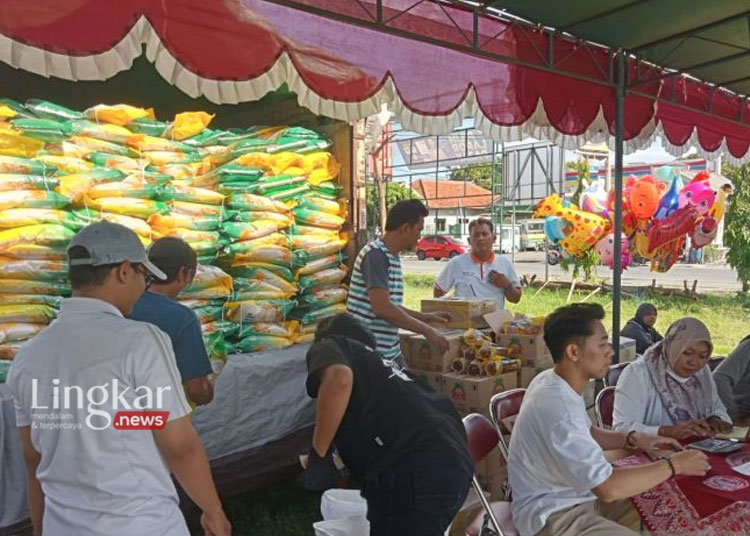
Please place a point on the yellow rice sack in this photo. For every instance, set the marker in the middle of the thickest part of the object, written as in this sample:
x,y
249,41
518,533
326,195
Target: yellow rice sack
x,y
210,276
20,217
66,164
32,199
192,194
44,235
119,114
34,251
32,314
197,209
35,270
270,254
188,124
19,331
137,225
27,286
137,208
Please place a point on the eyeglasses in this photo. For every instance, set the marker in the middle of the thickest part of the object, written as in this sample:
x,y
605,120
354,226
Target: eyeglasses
x,y
146,275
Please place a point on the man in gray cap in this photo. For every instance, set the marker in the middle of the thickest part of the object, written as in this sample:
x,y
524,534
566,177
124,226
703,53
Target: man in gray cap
x,y
100,408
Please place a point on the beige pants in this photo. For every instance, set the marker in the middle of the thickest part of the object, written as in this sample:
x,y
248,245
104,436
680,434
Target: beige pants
x,y
593,519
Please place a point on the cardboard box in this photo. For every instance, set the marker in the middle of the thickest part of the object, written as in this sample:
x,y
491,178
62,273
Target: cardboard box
x,y
420,355
472,394
466,313
433,379
526,374
531,349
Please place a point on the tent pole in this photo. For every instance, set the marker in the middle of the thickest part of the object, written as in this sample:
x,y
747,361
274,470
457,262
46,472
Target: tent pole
x,y
619,132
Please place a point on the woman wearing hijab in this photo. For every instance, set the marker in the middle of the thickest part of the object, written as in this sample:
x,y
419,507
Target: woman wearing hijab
x,y
670,391
641,328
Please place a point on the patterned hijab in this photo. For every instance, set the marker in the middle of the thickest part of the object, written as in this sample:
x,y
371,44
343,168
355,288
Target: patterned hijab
x,y
689,400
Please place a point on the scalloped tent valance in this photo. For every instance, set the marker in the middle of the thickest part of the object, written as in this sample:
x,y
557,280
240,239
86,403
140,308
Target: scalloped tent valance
x,y
233,51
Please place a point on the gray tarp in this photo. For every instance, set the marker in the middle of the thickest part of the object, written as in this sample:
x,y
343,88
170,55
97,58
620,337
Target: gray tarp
x,y
258,398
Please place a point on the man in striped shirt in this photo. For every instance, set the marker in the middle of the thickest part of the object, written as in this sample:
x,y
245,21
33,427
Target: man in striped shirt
x,y
377,287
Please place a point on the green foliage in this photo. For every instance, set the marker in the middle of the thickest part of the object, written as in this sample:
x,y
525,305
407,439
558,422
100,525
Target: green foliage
x,y
737,233
394,192
480,174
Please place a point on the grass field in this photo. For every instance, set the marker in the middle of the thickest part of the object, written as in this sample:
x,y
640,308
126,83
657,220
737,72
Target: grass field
x,y
285,509
726,315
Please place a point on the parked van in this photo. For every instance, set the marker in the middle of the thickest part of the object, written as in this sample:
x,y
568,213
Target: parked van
x,y
509,242
532,235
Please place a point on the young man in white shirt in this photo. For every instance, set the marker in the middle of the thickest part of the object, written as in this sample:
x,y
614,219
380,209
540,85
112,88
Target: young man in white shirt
x,y
92,469
562,481
480,273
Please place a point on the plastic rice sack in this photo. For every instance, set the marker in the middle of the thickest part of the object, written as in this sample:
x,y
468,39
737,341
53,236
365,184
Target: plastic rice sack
x,y
321,205
46,130
14,331
206,137
287,195
312,240
148,126
12,164
8,351
331,276
132,187
308,315
151,177
101,146
320,167
256,311
34,251
184,171
216,349
235,172
191,235
332,261
144,143
261,161
66,148
66,164
318,218
181,192
13,143
310,230
42,108
249,231
12,108
206,251
118,114
304,338
209,276
26,286
161,222
188,124
218,154
84,217
229,329
256,202
284,160
34,270
197,209
210,293
253,289
103,132
276,269
31,299
75,186
29,314
137,208
256,343
27,182
269,183
303,256
327,190
283,220
267,276
299,146
208,314
163,158
260,250
324,297
20,217
114,161
46,234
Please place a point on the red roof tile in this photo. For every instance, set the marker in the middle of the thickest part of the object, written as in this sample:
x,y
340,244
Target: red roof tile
x,y
453,194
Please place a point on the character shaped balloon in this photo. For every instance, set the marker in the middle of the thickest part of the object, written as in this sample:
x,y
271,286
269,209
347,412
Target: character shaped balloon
x,y
556,229
606,250
644,197
586,229
704,233
669,203
594,199
629,222
698,193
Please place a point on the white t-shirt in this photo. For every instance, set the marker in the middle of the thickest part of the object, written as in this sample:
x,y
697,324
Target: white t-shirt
x,y
554,461
470,277
639,407
99,481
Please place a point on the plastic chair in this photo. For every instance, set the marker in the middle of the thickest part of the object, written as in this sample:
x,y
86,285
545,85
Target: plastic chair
x,y
605,406
613,374
715,362
482,438
504,405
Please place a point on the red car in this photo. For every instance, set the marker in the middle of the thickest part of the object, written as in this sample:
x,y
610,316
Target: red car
x,y
439,247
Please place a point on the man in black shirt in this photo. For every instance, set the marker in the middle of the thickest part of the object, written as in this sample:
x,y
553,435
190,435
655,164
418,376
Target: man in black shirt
x,y
403,442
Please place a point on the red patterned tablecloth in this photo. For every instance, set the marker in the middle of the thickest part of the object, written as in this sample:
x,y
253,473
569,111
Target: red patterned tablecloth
x,y
690,506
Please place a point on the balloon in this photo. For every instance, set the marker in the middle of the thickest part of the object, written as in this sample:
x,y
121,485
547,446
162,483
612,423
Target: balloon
x,y
698,193
629,222
586,229
675,226
641,244
665,173
644,197
704,233
667,255
669,203
594,200
719,206
606,250
555,229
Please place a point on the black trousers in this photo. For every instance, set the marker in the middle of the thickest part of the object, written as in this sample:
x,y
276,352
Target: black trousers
x,y
420,501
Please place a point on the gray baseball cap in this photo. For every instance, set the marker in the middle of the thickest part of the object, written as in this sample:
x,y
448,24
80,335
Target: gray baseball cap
x,y
111,243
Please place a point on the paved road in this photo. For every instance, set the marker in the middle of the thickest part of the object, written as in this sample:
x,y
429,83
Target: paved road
x,y
710,277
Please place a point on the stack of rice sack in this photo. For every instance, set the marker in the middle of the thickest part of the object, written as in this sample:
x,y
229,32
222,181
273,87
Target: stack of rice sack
x,y
317,244
34,232
206,296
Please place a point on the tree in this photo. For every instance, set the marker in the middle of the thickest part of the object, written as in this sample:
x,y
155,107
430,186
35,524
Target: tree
x,y
480,174
394,193
737,233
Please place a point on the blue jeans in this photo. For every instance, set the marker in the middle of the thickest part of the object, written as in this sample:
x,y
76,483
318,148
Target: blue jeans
x,y
419,502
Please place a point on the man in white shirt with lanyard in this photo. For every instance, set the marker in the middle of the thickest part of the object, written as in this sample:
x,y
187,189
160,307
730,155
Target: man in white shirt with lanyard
x,y
562,481
480,273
